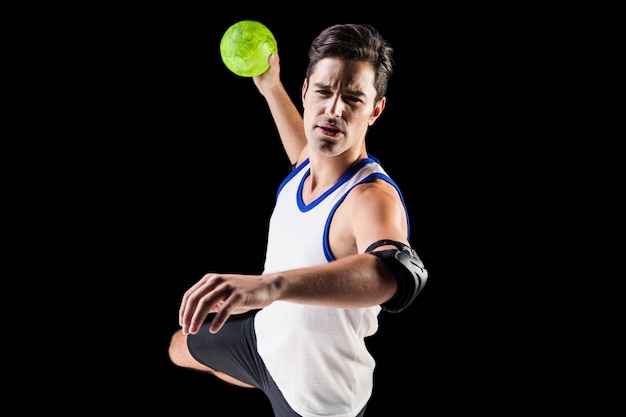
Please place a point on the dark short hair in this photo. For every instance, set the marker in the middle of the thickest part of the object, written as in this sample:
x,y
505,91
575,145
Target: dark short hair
x,y
355,42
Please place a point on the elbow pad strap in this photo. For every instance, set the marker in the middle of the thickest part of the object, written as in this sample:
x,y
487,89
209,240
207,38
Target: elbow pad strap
x,y
408,269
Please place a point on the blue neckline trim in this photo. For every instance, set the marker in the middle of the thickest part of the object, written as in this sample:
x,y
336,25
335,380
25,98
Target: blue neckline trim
x,y
345,177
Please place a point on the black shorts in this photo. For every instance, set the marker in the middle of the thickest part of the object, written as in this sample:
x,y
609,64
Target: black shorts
x,y
233,351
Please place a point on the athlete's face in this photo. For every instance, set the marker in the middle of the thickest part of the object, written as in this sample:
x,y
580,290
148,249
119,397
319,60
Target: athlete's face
x,y
339,106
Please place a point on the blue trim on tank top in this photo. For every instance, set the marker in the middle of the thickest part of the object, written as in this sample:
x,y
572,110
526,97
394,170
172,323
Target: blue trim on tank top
x,y
345,177
377,175
291,174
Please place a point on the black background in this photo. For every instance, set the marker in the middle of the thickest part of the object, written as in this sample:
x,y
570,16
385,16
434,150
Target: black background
x,y
171,164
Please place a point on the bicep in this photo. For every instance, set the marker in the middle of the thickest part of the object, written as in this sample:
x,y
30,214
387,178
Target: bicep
x,y
378,214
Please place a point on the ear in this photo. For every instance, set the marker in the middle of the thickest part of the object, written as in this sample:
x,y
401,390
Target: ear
x,y
378,109
304,89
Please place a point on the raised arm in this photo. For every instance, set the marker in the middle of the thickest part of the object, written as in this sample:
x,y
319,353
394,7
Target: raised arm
x,y
286,116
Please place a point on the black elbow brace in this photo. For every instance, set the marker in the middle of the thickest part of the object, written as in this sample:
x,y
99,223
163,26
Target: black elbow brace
x,y
408,270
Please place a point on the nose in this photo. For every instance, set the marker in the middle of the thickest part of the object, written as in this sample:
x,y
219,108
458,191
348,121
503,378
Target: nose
x,y
334,108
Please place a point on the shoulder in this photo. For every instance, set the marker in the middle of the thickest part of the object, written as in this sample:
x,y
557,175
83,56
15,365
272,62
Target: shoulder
x,y
371,211
374,195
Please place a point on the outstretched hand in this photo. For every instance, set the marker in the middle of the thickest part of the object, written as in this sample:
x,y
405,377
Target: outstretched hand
x,y
270,78
224,294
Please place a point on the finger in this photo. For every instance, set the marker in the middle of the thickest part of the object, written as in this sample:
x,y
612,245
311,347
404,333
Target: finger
x,y
207,304
192,302
220,318
214,299
184,304
226,309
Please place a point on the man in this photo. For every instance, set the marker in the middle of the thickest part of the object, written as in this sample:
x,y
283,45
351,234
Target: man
x,y
337,250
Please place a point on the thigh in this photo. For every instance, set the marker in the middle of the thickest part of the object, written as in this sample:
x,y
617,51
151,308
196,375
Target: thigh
x,y
231,351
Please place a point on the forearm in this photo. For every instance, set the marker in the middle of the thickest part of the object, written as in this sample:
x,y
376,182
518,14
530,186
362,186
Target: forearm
x,y
353,282
288,121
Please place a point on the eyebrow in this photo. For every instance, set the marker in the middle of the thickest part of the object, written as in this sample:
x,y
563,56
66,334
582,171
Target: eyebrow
x,y
357,93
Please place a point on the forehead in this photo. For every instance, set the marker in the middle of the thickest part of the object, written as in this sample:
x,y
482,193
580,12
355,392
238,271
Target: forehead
x,y
338,73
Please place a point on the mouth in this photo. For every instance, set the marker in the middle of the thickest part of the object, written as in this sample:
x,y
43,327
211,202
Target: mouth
x,y
329,130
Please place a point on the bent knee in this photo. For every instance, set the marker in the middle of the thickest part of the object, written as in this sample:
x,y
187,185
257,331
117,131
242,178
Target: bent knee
x,y
180,356
179,352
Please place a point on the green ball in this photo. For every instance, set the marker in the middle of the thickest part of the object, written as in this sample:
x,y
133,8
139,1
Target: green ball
x,y
246,47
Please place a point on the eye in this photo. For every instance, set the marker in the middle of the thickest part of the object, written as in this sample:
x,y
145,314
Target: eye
x,y
323,92
354,99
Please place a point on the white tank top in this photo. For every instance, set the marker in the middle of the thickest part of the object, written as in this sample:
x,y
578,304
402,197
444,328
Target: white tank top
x,y
316,355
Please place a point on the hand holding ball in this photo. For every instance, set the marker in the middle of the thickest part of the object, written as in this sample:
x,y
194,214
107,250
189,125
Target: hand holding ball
x,y
246,47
